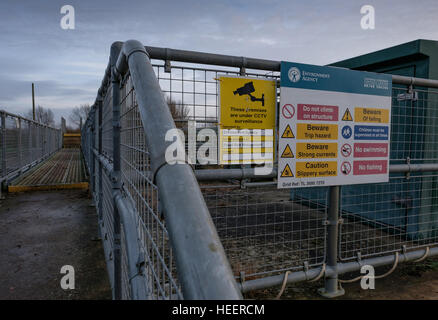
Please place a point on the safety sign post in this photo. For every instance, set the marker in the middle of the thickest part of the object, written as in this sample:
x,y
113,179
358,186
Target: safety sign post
x,y
247,120
334,126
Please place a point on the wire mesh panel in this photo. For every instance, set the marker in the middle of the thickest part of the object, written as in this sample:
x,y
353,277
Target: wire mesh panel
x,y
107,125
141,190
192,92
12,146
401,214
388,217
24,142
264,231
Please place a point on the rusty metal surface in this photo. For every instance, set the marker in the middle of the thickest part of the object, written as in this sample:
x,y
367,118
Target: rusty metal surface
x,y
63,169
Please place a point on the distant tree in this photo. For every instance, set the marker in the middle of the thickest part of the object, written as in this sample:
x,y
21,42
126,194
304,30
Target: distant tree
x,y
78,113
42,115
178,111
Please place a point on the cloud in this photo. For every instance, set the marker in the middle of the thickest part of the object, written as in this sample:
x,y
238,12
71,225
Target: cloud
x,y
67,65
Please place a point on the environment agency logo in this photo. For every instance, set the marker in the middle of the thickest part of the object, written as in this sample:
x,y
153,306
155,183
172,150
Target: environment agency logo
x,y
294,74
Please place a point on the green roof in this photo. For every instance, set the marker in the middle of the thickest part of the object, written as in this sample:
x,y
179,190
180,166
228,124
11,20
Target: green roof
x,y
421,56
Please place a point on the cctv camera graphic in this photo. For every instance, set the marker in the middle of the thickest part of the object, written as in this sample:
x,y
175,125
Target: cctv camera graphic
x,y
248,88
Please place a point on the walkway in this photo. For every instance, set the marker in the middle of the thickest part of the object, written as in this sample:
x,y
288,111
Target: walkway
x,y
42,231
64,170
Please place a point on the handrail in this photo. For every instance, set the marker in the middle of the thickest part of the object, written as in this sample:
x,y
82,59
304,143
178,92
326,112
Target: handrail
x,y
18,167
26,119
252,63
202,266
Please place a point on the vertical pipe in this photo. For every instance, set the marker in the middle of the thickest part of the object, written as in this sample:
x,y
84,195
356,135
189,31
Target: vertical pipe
x,y
39,141
20,147
90,151
33,101
43,140
116,185
99,146
29,141
3,149
331,289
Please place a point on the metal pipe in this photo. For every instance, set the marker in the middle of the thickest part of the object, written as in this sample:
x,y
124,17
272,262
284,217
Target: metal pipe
x,y
92,133
331,288
342,268
20,146
202,266
419,167
168,54
421,82
139,291
100,185
106,165
3,140
225,174
245,173
25,119
116,175
211,59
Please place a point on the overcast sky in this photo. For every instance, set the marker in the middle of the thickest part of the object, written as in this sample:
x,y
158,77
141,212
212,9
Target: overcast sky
x,y
67,65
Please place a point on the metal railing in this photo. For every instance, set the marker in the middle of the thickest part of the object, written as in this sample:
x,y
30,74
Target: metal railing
x,y
24,143
159,239
158,222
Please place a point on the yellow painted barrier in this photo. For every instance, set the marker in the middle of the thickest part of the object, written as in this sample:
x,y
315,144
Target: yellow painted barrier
x,y
79,185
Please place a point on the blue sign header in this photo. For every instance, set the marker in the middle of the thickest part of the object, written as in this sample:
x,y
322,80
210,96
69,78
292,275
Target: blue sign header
x,y
307,76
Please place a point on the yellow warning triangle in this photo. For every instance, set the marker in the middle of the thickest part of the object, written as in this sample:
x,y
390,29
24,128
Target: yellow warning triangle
x,y
287,172
288,133
347,116
287,153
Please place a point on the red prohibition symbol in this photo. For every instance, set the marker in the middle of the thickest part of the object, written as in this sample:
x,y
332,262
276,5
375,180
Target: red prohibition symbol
x,y
288,111
346,168
346,150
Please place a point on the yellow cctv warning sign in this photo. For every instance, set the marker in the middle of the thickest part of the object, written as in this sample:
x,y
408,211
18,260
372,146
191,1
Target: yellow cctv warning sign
x,y
247,109
287,153
287,172
247,103
347,116
288,133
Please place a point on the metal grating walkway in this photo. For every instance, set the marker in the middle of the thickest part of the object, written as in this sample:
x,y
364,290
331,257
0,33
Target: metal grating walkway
x,y
64,170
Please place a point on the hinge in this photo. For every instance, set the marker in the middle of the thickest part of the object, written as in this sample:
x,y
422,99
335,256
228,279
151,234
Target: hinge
x,y
331,222
167,66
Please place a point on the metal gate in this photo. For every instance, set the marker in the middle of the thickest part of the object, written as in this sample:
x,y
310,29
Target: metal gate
x,y
169,235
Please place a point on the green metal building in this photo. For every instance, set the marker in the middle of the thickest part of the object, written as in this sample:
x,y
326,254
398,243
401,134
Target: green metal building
x,y
409,204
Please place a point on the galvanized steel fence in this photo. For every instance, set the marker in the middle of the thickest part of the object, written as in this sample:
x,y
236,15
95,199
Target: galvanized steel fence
x,y
158,223
24,143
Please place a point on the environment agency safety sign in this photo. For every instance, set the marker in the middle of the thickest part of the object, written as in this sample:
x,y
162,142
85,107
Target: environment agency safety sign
x,y
247,120
334,126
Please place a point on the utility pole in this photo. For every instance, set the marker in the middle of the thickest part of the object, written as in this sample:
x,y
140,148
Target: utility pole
x,y
33,100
